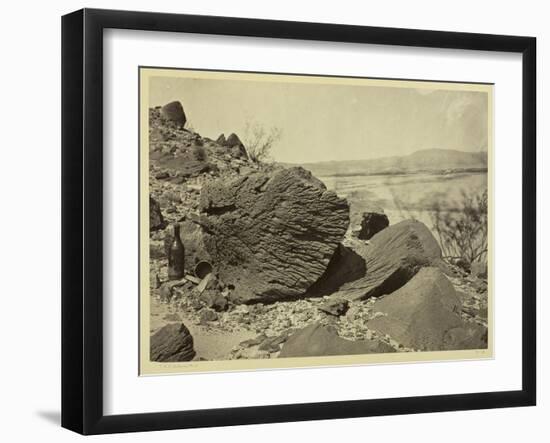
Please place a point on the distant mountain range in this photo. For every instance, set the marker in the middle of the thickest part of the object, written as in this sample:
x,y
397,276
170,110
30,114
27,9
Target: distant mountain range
x,y
427,160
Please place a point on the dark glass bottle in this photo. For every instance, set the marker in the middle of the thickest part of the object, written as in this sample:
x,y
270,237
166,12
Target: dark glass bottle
x,y
176,256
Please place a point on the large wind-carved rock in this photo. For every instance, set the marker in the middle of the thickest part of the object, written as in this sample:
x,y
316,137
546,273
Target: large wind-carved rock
x,y
392,258
271,235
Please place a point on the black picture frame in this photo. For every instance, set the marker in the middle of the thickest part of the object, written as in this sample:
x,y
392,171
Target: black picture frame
x,y
82,219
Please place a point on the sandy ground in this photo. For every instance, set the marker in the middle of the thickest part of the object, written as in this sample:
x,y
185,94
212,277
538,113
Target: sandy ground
x,y
209,344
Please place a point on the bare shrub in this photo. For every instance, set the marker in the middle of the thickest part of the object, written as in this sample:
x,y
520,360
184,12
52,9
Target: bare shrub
x,y
463,232
199,153
403,209
259,141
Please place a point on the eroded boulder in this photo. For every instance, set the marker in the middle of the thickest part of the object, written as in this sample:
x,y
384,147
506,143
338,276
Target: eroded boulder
x,y
235,146
272,234
425,315
392,258
316,341
232,140
172,342
173,112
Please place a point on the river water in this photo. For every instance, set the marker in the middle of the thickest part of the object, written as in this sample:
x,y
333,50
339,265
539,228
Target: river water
x,y
406,195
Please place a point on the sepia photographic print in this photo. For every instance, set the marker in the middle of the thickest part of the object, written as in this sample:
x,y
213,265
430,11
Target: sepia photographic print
x,y
296,220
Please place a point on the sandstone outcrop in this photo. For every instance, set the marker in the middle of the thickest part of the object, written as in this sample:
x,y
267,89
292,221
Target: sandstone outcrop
x,y
271,235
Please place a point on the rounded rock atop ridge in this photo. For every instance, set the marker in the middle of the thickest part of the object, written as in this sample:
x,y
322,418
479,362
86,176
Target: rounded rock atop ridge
x,y
173,111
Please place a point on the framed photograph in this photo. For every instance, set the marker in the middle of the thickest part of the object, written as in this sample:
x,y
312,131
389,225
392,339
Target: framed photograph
x,y
269,221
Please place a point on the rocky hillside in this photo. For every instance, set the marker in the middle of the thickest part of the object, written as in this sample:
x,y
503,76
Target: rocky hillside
x,y
273,269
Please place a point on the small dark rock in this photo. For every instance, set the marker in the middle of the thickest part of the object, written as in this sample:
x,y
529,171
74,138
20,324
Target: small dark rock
x,y
243,319
207,315
156,249
196,304
207,298
272,344
371,224
172,342
211,298
154,280
335,307
166,292
269,346
156,220
167,288
253,341
220,303
177,180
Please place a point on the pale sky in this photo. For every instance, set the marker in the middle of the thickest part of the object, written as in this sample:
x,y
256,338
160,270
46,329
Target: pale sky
x,y
322,122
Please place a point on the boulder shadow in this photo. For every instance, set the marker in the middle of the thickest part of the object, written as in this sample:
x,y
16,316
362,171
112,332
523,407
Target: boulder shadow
x,y
345,266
